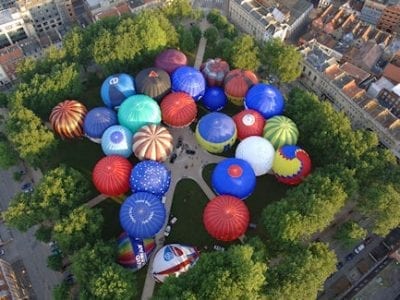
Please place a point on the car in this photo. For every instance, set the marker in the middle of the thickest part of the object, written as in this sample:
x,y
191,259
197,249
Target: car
x,y
27,187
173,220
167,230
69,278
2,252
350,256
368,240
359,248
173,158
339,265
190,152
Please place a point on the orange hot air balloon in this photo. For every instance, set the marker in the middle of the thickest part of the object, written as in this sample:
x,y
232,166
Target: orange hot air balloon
x,y
178,109
67,118
236,84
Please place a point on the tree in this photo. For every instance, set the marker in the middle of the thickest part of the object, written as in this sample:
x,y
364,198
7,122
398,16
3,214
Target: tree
x,y
245,53
381,202
301,274
55,262
43,233
178,9
82,226
281,60
8,156
76,47
196,33
61,291
233,274
21,213
212,35
3,100
187,40
114,282
350,233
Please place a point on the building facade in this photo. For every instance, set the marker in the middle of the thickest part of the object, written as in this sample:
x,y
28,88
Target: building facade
x,y
372,11
13,27
390,19
10,288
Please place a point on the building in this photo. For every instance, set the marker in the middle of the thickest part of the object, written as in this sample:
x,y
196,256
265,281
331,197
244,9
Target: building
x,y
372,11
4,4
10,288
390,19
265,19
390,98
392,72
10,57
13,27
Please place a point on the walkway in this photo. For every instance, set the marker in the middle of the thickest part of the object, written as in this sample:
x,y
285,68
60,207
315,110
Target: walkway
x,y
96,200
202,45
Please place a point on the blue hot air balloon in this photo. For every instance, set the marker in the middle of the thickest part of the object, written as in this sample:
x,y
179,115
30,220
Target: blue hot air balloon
x,y
234,177
142,215
117,140
97,120
214,98
266,99
150,176
116,88
190,81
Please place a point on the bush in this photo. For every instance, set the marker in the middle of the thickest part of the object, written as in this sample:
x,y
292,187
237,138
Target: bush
x,y
61,291
44,233
55,262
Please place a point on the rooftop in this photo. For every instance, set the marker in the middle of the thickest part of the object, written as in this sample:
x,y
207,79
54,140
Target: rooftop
x,y
392,73
358,74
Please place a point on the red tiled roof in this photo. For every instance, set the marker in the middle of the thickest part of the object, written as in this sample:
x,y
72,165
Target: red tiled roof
x,y
392,73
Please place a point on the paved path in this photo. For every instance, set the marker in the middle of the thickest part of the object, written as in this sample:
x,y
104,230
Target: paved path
x,y
96,200
202,45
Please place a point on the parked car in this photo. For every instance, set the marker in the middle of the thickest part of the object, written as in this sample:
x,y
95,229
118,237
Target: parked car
x,y
350,256
27,187
2,252
359,248
190,152
173,220
167,230
173,158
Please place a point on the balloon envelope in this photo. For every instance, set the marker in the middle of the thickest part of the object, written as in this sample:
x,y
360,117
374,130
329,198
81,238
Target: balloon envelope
x,y
152,142
266,99
215,70
234,177
117,140
153,82
249,123
280,131
172,260
189,80
226,218
116,88
170,59
138,111
134,253
236,84
142,215
291,164
178,110
214,98
97,120
150,176
67,117
111,175
258,152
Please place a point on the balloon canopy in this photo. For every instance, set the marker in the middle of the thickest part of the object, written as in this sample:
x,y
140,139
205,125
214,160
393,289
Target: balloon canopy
x,y
97,121
111,175
142,215
237,82
258,152
134,253
214,98
152,142
234,177
266,99
226,218
291,164
249,123
215,70
67,118
189,80
116,88
178,110
138,111
150,176
172,260
280,130
153,82
117,140
216,132
170,59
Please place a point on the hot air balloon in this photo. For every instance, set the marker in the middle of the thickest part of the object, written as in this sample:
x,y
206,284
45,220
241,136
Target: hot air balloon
x,y
226,218
111,175
97,120
67,117
142,215
150,176
116,88
249,123
178,110
152,142
216,132
214,98
215,70
117,140
266,99
236,84
189,80
234,177
291,164
134,253
170,59
172,260
258,152
153,82
280,130
137,111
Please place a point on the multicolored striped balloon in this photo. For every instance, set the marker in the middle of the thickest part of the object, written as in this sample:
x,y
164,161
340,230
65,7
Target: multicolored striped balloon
x,y
281,130
153,142
67,118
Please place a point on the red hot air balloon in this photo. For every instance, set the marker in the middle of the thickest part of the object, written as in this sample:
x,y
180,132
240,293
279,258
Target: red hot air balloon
x,y
226,218
171,59
236,84
67,118
111,175
178,109
215,70
249,123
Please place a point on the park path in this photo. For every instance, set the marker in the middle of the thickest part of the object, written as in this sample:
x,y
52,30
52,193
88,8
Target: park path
x,y
202,45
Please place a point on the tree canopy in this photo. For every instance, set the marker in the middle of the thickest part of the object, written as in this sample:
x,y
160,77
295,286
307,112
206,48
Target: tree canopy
x,y
350,233
245,53
8,156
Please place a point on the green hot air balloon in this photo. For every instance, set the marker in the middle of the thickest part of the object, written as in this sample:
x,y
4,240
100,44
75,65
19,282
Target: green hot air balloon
x,y
281,130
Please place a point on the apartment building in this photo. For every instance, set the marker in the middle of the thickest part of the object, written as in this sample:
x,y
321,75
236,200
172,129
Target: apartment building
x,y
390,19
